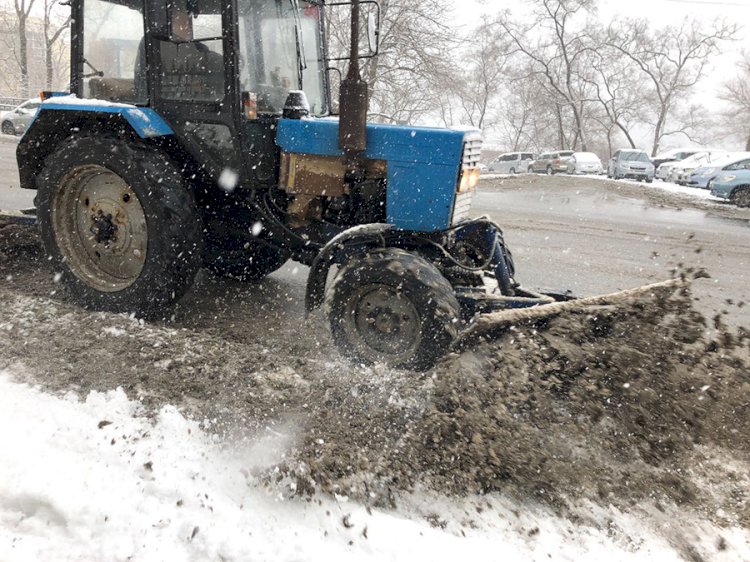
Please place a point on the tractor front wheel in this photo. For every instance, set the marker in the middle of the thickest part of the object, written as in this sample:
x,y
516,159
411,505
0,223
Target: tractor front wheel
x,y
393,307
118,224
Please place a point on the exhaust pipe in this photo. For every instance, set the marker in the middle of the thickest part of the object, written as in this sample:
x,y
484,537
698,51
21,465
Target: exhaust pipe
x,y
353,101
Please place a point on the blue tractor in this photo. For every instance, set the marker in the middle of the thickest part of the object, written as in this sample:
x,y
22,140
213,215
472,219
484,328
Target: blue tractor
x,y
199,133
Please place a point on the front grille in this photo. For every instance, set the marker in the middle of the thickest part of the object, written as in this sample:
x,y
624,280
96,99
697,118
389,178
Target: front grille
x,y
472,149
471,156
462,207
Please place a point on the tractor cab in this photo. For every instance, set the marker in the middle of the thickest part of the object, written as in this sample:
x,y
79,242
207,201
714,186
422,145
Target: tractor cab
x,y
219,73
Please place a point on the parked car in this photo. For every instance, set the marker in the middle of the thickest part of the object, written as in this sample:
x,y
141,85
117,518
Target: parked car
x,y
734,187
15,121
663,170
511,163
680,171
585,163
704,176
551,162
631,163
674,155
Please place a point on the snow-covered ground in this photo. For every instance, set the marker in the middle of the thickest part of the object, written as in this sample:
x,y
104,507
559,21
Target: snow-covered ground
x,y
657,184
94,478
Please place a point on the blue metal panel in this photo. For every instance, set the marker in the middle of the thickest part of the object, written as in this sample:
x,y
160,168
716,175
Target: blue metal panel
x,y
145,121
423,165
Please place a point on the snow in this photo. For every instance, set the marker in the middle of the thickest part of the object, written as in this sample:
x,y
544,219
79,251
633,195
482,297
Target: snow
x,y
72,99
98,479
694,192
228,180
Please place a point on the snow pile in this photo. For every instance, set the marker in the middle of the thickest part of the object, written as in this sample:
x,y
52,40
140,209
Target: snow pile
x,y
98,480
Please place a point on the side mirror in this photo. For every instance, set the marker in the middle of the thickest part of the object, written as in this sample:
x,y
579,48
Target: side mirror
x,y
372,8
373,31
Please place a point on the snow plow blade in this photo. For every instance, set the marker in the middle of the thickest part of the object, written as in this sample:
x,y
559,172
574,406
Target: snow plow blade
x,y
26,217
520,310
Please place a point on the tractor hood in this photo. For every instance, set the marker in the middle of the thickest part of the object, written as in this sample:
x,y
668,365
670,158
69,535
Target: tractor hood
x,y
423,165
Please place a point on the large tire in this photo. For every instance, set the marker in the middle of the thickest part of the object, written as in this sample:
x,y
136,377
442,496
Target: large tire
x,y
8,128
118,224
393,307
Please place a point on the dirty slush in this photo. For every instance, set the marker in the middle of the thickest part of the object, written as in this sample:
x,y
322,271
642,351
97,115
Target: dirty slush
x,y
643,401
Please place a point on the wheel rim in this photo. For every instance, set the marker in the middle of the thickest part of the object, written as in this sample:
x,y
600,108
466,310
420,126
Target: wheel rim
x,y
549,171
100,228
8,129
382,324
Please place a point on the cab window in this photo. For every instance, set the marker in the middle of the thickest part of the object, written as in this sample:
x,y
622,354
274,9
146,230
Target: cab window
x,y
112,43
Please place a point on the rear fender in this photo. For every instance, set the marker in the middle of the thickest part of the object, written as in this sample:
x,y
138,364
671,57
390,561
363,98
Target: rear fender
x,y
57,120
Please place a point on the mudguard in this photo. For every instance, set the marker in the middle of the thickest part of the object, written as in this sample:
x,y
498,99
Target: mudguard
x,y
61,116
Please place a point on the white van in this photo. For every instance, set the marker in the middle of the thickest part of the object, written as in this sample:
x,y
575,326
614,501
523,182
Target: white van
x,y
511,163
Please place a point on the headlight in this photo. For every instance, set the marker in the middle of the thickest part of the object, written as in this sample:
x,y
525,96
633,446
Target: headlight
x,y
469,180
727,178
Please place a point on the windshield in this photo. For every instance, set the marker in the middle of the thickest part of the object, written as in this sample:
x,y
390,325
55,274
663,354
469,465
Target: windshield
x,y
281,50
635,157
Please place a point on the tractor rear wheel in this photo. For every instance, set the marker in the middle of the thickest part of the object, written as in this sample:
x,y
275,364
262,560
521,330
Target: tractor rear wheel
x,y
393,307
118,224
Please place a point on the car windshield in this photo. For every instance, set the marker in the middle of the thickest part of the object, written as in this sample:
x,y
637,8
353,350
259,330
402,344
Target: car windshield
x,y
281,50
635,157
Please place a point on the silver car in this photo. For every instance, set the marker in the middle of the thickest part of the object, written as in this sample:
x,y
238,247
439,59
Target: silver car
x,y
15,121
511,163
585,163
631,163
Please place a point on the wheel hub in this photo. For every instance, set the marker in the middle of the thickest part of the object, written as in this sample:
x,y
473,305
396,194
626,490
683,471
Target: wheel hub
x,y
100,227
386,321
103,229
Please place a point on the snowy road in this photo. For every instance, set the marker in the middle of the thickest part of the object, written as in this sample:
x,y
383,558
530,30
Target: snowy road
x,y
584,235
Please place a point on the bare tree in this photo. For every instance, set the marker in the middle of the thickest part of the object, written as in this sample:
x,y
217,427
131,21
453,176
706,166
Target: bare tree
x,y
412,61
54,27
486,68
558,51
673,60
22,10
621,98
736,93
